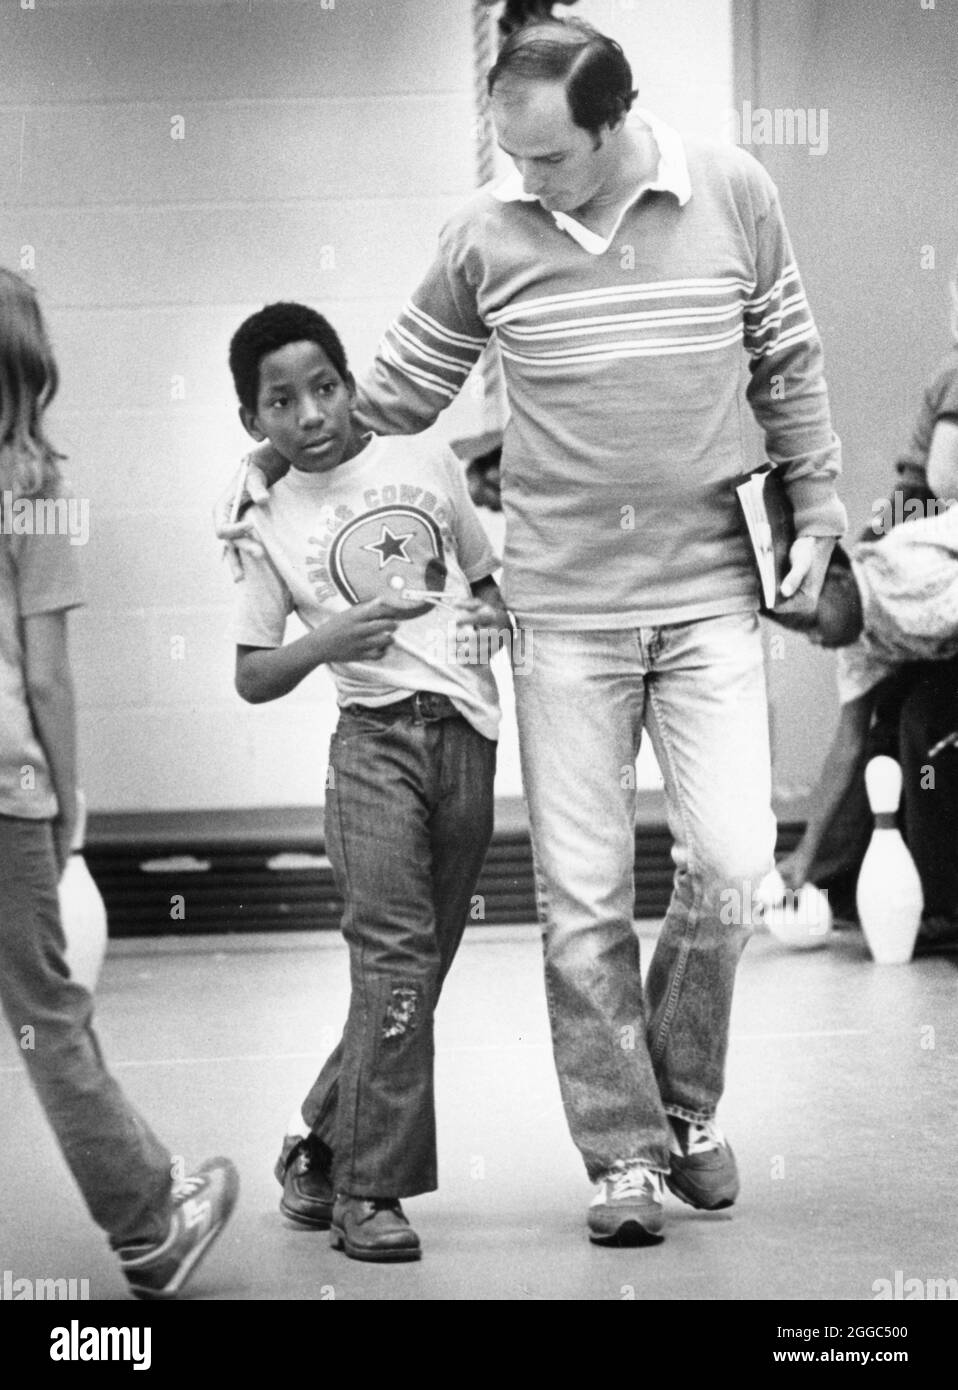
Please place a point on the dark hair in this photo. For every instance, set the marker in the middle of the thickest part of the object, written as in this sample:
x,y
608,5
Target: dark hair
x,y
595,70
272,328
519,12
28,383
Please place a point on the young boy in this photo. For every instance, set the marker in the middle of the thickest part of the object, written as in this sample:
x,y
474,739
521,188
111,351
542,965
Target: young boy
x,y
893,609
375,545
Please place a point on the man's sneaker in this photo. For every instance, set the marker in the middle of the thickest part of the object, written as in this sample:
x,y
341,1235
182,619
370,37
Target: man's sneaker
x,y
703,1171
201,1208
627,1206
373,1228
304,1171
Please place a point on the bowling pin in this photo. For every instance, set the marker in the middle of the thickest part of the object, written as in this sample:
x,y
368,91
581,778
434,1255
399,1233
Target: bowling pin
x,y
82,911
888,895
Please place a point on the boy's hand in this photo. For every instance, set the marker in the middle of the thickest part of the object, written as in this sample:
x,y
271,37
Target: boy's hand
x,y
480,613
365,633
487,614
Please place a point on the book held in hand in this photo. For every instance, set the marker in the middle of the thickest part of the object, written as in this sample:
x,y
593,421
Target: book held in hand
x,y
771,530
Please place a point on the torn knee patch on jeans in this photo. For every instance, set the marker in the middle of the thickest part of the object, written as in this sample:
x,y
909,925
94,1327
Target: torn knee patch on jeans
x,y
402,1012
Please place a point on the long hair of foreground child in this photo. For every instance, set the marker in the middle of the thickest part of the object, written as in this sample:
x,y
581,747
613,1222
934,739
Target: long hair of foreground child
x,y
28,383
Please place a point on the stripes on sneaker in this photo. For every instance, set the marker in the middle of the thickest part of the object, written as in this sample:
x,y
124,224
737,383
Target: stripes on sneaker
x,y
701,1136
626,1180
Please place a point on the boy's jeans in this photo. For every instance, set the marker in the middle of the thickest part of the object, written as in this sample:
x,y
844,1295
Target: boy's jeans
x,y
121,1168
408,820
582,699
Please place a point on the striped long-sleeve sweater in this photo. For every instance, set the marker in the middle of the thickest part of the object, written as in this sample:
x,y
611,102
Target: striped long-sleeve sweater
x,y
627,367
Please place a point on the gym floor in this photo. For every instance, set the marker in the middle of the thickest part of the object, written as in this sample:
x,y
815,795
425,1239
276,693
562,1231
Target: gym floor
x,y
841,1097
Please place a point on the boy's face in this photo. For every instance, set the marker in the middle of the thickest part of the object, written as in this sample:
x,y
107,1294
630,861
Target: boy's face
x,y
304,408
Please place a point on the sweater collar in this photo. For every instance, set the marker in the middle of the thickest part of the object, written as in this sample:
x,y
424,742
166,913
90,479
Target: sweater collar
x,y
672,177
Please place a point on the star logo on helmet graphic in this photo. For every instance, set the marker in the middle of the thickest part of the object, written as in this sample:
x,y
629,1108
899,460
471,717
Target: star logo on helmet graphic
x,y
390,547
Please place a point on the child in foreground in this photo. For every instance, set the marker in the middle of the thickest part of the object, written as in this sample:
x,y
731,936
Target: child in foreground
x,y
375,545
159,1229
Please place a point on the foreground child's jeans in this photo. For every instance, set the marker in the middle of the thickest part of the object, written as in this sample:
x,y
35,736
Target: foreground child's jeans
x,y
408,820
582,699
121,1168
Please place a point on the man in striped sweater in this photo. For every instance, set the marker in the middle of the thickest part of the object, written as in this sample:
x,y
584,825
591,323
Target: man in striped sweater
x,y
637,285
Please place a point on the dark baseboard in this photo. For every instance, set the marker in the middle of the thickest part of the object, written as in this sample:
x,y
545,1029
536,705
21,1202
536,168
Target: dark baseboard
x,y
187,873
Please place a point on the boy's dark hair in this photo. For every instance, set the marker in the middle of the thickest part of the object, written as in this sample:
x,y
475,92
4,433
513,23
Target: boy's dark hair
x,y
272,328
598,79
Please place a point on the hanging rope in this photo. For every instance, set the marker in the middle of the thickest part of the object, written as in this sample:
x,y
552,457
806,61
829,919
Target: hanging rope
x,y
483,48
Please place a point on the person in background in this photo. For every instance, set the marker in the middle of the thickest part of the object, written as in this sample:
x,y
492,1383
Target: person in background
x,y
902,702
892,611
159,1229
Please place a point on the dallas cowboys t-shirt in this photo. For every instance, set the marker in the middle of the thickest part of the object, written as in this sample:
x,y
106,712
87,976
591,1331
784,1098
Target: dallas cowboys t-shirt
x,y
395,520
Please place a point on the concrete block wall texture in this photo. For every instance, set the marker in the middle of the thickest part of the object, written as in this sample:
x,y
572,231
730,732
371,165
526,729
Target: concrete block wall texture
x,y
167,168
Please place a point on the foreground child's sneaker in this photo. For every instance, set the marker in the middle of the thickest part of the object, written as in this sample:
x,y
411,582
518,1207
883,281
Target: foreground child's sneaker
x,y
703,1171
201,1208
373,1228
627,1206
307,1185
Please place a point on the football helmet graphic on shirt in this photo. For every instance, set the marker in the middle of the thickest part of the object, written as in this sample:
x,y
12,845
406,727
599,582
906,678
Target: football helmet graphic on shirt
x,y
393,553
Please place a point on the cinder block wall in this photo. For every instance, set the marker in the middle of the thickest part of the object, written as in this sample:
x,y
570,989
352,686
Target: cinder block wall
x,y
166,168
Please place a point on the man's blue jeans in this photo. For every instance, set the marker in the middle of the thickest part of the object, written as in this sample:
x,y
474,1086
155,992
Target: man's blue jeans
x,y
409,816
121,1168
625,1059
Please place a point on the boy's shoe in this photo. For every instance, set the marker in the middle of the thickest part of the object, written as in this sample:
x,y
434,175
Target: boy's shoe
x,y
307,1183
627,1206
201,1208
703,1171
373,1228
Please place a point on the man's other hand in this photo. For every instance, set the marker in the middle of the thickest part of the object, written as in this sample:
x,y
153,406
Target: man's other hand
x,y
809,558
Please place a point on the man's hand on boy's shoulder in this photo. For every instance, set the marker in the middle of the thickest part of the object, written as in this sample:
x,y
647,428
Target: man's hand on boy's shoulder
x,y
258,471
